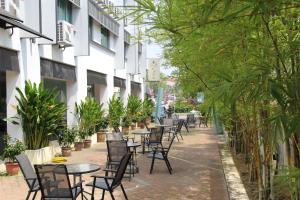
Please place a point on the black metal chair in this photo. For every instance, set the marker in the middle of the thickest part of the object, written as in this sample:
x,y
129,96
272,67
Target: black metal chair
x,y
55,183
155,137
191,121
177,130
29,175
110,183
118,136
116,149
161,153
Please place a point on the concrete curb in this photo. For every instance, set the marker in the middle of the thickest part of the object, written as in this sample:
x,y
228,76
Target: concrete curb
x,y
235,186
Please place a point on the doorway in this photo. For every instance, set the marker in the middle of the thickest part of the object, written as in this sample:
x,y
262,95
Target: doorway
x,y
3,128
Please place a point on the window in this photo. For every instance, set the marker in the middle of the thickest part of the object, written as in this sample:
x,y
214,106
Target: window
x,y
64,10
105,37
126,47
90,91
59,86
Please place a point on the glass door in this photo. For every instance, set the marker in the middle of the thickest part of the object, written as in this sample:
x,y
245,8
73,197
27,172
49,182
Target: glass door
x,y
2,110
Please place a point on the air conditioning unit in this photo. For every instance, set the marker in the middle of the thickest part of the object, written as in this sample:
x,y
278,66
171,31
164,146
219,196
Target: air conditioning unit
x,y
65,34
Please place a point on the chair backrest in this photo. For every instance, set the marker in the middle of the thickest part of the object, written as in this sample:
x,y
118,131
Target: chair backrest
x,y
114,136
190,118
156,135
54,181
27,169
168,121
116,149
121,169
170,144
179,125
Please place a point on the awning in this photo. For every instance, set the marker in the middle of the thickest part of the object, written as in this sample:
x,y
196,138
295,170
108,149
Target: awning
x,y
119,82
58,70
96,78
8,21
9,60
135,86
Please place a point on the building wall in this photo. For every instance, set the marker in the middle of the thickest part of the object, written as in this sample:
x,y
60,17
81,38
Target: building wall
x,y
83,55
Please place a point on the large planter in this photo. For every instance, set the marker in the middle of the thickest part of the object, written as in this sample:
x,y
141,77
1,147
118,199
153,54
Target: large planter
x,y
78,146
148,120
66,151
12,168
125,130
141,125
132,127
100,136
43,155
87,144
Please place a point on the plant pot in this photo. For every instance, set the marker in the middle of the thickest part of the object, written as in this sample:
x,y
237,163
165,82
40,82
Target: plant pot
x,y
125,130
101,136
141,125
132,127
148,120
12,168
78,146
66,151
87,144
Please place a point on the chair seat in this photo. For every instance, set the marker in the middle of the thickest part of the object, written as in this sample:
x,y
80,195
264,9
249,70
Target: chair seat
x,y
59,192
100,183
158,155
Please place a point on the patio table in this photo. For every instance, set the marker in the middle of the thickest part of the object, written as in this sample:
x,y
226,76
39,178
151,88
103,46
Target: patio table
x,y
143,133
78,169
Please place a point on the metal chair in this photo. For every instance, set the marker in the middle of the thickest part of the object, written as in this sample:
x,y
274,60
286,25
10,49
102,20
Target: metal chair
x,y
177,130
55,184
161,153
116,149
110,183
191,121
29,175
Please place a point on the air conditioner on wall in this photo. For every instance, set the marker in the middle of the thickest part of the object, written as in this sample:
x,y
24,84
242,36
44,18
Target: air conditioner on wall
x,y
2,4
65,34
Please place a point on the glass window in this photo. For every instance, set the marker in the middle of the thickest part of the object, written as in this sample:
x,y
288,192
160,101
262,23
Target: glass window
x,y
126,47
59,86
104,37
90,91
64,10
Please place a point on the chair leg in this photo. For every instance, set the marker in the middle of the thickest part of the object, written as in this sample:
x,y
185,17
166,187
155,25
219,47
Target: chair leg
x,y
124,192
168,165
111,194
181,135
152,164
28,195
34,195
177,137
103,193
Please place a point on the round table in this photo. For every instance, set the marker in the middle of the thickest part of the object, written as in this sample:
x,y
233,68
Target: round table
x,y
78,169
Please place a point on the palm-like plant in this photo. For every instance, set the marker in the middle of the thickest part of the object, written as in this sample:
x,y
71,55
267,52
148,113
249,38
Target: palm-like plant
x,y
115,111
39,114
89,113
134,105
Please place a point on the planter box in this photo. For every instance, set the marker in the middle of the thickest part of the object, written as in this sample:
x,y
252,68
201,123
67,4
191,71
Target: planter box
x,y
43,155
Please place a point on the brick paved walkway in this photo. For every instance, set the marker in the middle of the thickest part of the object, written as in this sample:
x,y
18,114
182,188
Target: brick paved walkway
x,y
197,172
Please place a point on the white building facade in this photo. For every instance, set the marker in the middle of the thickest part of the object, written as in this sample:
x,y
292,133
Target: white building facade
x,y
91,53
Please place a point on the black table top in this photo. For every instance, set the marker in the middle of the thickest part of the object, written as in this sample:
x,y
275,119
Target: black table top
x,y
82,168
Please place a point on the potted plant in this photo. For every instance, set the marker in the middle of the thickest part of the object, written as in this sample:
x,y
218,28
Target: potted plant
x,y
146,111
133,107
115,111
101,129
66,139
79,144
12,149
126,122
88,113
40,116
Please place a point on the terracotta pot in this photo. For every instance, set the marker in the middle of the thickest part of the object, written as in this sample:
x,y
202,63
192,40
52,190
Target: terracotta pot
x,y
66,151
125,130
78,146
12,168
132,127
141,125
148,120
87,144
101,136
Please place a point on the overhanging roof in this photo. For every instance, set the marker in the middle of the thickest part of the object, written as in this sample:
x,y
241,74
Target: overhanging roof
x,y
9,21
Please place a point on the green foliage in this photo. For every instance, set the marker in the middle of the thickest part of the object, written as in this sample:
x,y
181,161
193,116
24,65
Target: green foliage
x,y
67,137
12,149
40,114
116,111
89,114
146,109
103,124
134,105
181,107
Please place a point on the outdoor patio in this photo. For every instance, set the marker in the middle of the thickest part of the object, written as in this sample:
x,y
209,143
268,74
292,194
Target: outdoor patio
x,y
197,172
